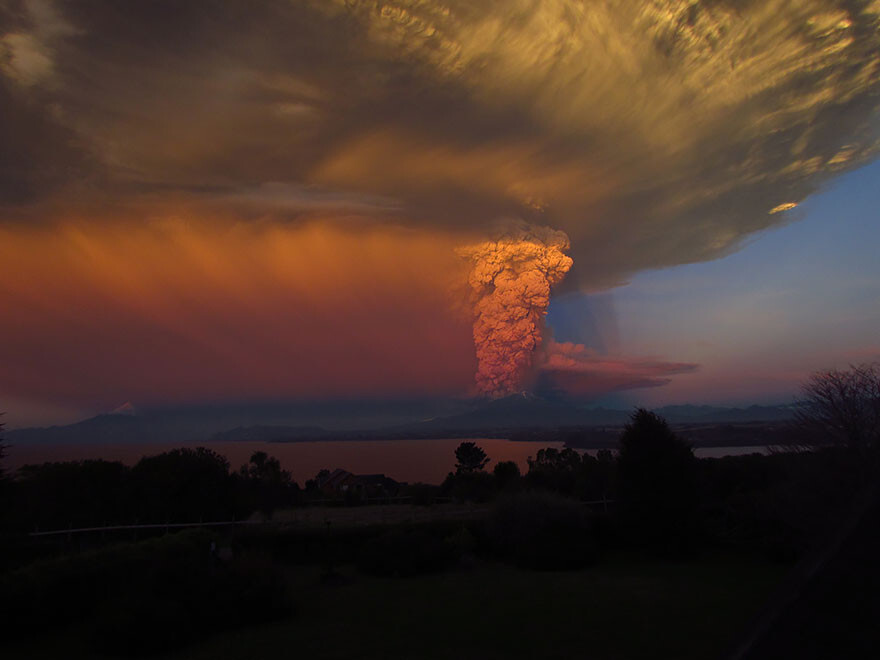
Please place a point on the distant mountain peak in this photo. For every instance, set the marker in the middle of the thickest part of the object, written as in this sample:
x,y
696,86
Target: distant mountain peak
x,y
125,409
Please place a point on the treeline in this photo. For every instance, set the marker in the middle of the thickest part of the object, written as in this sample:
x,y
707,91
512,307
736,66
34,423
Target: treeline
x,y
178,486
705,434
653,490
655,495
563,471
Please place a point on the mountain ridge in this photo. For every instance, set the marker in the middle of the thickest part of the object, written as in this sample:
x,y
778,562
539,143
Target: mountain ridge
x,y
499,417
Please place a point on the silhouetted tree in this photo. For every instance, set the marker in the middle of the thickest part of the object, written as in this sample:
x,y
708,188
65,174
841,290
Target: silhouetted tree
x,y
554,459
474,486
182,485
263,467
842,408
606,472
315,483
268,485
569,472
657,482
552,469
507,475
469,458
77,493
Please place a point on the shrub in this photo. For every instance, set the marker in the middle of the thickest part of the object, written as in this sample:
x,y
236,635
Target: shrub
x,y
780,505
73,493
542,530
144,597
469,486
405,553
421,494
507,475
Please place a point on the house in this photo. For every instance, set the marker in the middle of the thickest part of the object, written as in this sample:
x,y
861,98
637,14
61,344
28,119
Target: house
x,y
341,482
375,485
336,483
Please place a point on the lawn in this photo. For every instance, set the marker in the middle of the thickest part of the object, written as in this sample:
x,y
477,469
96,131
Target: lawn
x,y
623,609
619,609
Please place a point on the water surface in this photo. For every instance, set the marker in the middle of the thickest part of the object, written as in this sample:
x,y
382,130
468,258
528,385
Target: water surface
x,y
427,461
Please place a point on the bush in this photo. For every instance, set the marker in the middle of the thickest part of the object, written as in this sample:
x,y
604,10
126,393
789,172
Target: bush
x,y
266,485
183,604
73,493
780,505
144,597
421,494
507,476
542,530
405,553
469,486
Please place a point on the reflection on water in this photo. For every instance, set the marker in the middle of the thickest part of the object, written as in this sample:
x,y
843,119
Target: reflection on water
x,y
428,461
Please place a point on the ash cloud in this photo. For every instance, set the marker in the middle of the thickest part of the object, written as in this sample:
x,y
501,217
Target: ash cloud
x,y
652,133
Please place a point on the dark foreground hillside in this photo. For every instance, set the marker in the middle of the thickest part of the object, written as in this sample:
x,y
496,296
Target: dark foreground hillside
x,y
836,613
626,608
649,553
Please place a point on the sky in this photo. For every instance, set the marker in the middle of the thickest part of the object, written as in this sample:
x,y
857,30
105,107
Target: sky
x,y
314,199
796,299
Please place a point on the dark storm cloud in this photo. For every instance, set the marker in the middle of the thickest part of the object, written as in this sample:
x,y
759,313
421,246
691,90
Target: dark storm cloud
x,y
39,155
653,133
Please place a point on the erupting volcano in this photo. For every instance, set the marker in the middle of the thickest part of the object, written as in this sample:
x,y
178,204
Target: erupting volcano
x,y
510,283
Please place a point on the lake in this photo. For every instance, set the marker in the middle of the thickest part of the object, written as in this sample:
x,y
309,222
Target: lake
x,y
428,461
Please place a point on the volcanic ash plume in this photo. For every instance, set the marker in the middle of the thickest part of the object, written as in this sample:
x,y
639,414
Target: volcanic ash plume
x,y
511,279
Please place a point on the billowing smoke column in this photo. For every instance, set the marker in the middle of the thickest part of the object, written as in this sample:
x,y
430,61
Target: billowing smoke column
x,y
510,280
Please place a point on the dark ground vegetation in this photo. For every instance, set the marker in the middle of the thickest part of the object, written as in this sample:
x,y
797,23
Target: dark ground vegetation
x,y
647,553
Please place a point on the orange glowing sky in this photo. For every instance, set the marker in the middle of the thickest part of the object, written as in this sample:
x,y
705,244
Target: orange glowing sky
x,y
171,308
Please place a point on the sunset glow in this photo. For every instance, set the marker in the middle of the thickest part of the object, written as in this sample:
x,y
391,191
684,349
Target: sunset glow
x,y
162,311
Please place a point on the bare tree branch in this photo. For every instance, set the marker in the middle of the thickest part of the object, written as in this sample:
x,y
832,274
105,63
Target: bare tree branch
x,y
842,408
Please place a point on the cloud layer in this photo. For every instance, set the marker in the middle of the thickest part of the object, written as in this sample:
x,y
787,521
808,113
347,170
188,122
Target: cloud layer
x,y
653,133
579,371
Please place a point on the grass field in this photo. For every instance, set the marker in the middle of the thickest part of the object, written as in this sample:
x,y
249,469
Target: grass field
x,y
618,610
621,609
